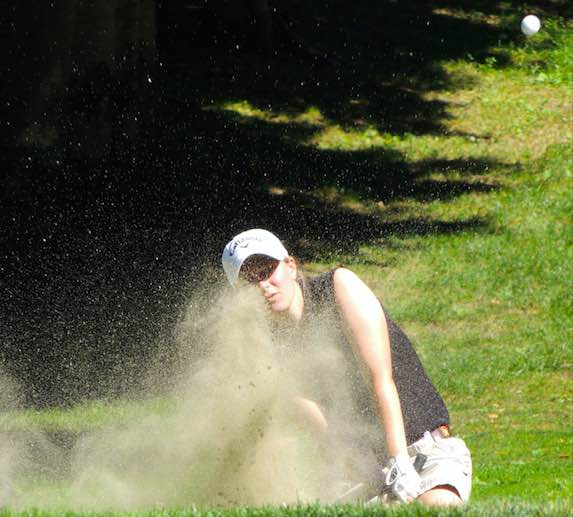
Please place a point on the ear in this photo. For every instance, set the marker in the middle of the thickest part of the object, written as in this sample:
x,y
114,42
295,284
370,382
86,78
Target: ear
x,y
292,266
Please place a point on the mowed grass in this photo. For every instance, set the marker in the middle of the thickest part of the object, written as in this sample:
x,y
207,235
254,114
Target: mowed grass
x,y
492,315
513,508
490,307
84,417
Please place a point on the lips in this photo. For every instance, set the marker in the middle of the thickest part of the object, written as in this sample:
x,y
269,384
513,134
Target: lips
x,y
270,297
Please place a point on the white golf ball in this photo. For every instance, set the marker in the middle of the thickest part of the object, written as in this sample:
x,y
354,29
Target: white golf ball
x,y
530,25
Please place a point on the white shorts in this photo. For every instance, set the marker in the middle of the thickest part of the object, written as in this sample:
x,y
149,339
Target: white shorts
x,y
448,462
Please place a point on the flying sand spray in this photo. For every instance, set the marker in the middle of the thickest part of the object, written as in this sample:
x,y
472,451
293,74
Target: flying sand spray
x,y
233,435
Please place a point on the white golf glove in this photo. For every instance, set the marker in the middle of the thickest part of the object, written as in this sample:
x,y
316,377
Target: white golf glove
x,y
401,478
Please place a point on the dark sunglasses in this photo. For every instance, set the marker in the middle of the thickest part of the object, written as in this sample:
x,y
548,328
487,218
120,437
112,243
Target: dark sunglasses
x,y
257,269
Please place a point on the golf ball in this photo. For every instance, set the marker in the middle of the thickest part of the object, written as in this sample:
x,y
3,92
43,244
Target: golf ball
x,y
530,25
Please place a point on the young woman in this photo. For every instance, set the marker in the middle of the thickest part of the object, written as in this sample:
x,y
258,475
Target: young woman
x,y
424,461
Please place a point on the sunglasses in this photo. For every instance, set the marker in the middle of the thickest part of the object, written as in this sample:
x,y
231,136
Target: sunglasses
x,y
257,269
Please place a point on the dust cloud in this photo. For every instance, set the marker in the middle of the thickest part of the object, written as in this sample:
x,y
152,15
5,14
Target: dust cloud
x,y
9,401
239,430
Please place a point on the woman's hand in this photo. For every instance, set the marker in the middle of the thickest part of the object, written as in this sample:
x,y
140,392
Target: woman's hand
x,y
401,478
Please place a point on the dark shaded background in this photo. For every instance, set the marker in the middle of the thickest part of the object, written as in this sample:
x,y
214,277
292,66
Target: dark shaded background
x,y
118,188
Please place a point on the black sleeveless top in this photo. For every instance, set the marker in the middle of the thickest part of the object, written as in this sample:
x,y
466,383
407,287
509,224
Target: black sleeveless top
x,y
422,407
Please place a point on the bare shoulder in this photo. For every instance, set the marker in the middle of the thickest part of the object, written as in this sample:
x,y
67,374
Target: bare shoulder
x,y
350,288
345,278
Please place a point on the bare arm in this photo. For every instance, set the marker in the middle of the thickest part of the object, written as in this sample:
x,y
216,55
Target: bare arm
x,y
310,413
366,325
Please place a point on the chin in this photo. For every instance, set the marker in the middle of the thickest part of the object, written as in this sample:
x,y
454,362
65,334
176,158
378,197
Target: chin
x,y
278,306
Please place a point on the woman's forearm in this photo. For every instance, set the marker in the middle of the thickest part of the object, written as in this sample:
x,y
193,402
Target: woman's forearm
x,y
390,414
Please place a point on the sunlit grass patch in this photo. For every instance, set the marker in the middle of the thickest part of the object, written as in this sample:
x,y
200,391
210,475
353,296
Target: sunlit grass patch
x,y
310,116
504,117
532,412
547,58
538,401
467,14
84,416
503,471
338,138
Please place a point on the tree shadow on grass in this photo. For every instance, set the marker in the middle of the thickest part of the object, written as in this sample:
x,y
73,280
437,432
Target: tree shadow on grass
x,y
98,257
374,64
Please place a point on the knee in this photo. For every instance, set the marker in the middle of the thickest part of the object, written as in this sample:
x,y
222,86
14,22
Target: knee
x,y
310,413
441,496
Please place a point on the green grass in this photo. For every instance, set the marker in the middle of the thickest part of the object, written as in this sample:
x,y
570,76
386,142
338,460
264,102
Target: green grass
x,y
548,57
492,315
515,508
489,307
84,417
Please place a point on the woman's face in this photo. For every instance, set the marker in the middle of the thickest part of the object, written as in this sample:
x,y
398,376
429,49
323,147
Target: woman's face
x,y
276,279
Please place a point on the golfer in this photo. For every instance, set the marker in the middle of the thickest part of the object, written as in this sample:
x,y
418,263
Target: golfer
x,y
423,460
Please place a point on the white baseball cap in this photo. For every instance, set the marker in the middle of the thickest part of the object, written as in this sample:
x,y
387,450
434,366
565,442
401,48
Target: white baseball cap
x,y
250,242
